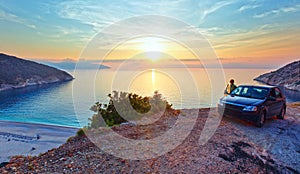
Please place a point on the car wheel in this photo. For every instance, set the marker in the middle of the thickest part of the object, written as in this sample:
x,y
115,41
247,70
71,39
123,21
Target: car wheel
x,y
261,120
281,114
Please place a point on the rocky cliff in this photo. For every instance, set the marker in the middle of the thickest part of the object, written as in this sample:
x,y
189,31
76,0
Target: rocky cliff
x,y
287,76
16,73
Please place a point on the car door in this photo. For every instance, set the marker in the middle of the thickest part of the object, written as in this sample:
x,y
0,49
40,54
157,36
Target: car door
x,y
279,101
271,103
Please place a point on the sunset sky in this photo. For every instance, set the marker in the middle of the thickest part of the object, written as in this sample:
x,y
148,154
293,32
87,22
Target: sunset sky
x,y
264,32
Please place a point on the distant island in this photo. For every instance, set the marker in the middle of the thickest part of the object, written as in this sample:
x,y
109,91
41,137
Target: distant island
x,y
287,76
17,73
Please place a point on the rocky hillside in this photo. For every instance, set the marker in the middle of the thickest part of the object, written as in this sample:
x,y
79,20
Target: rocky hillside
x,y
16,73
287,76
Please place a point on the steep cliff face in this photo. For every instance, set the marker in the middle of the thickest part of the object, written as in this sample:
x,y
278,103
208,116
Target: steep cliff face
x,y
287,76
16,73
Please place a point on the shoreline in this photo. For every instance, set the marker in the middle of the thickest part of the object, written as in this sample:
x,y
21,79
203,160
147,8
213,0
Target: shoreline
x,y
38,124
8,87
30,139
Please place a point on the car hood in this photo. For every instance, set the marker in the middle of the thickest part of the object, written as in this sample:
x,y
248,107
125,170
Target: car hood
x,y
241,100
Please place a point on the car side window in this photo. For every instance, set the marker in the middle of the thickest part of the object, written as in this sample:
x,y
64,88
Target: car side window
x,y
278,93
272,93
259,93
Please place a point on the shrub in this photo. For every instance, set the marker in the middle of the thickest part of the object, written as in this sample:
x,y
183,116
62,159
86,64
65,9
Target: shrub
x,y
80,132
111,114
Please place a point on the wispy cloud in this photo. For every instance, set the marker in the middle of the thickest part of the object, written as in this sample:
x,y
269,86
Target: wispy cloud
x,y
69,35
278,11
89,13
215,7
268,41
13,18
102,14
243,38
247,7
210,32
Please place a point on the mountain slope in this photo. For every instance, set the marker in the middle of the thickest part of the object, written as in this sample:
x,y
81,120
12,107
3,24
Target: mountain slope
x,y
16,73
287,76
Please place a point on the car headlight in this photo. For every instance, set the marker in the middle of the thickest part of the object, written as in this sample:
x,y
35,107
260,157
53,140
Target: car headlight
x,y
250,108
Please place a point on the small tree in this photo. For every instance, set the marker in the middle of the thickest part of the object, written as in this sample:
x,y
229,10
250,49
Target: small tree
x,y
110,114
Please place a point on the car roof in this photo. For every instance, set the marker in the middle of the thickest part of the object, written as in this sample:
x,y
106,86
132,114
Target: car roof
x,y
261,86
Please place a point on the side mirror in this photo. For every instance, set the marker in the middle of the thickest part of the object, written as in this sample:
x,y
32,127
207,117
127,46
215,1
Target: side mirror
x,y
271,98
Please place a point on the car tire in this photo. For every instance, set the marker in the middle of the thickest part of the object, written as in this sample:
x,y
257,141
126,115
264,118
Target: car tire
x,y
281,114
262,118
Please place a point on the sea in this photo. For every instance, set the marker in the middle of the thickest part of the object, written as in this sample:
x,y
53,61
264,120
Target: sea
x,y
68,103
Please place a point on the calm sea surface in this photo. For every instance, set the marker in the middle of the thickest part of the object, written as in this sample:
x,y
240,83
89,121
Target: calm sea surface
x,y
67,104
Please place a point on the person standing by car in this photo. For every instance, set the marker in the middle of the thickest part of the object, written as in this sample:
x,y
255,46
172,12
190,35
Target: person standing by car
x,y
230,87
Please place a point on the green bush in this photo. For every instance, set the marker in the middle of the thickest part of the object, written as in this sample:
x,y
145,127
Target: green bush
x,y
80,132
111,114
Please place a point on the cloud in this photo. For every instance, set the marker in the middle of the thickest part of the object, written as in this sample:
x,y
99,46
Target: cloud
x,y
210,32
88,13
247,7
13,18
215,7
100,14
242,38
278,11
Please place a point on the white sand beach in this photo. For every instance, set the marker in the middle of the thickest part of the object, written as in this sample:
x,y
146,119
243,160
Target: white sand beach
x,y
30,139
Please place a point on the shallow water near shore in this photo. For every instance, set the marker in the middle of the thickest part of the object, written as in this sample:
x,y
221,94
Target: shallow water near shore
x,y
53,104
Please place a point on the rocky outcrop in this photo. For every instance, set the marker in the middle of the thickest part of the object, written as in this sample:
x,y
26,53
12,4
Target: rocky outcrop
x,y
287,76
17,73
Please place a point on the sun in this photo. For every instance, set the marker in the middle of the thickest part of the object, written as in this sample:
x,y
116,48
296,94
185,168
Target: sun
x,y
153,47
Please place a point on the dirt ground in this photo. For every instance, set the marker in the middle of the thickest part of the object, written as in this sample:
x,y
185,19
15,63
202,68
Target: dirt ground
x,y
279,137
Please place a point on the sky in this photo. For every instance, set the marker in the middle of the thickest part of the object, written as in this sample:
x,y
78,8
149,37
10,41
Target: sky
x,y
257,33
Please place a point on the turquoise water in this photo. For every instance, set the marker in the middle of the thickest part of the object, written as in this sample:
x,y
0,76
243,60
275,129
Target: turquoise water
x,y
47,104
53,104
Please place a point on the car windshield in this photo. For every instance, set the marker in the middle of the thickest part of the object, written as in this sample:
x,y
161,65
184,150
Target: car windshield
x,y
250,92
